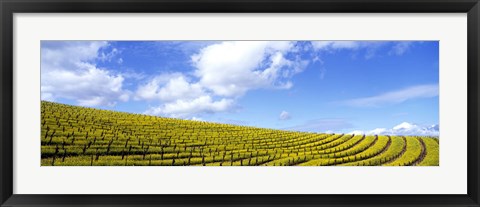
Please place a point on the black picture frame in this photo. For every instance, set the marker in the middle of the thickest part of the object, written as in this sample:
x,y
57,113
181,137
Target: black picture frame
x,y
9,7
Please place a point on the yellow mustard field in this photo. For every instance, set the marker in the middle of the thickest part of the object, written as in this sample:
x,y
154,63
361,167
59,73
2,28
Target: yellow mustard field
x,y
79,136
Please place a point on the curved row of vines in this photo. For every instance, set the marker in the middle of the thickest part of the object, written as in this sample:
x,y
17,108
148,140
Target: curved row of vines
x,y
78,136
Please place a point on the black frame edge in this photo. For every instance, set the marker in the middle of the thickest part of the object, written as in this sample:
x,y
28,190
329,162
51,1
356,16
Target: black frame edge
x,y
6,101
241,200
9,7
242,6
473,22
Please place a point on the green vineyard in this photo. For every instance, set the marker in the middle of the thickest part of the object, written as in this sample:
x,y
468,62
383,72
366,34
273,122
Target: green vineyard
x,y
78,136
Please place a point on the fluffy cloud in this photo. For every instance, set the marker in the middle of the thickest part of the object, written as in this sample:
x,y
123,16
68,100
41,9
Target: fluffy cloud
x,y
69,53
223,72
169,87
404,128
232,68
284,115
68,71
394,97
90,87
185,108
180,97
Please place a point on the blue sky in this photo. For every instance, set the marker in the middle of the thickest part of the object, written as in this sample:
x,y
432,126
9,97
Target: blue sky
x,y
381,87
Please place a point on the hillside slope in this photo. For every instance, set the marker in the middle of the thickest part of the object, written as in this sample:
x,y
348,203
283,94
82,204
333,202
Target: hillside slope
x,y
78,136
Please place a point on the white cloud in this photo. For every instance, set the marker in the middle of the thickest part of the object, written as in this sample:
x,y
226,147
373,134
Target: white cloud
x,y
234,67
185,108
285,115
68,71
169,87
356,132
404,125
223,72
405,128
69,53
394,97
180,97
91,87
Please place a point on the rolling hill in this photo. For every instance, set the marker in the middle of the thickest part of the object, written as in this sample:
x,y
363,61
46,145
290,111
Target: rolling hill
x,y
79,136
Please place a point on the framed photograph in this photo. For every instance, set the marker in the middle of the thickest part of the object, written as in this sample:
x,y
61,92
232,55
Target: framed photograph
x,y
239,103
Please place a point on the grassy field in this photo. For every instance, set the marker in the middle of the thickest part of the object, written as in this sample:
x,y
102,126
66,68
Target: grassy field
x,y
78,136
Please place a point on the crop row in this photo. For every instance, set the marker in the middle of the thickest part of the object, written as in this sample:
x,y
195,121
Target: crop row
x,y
78,136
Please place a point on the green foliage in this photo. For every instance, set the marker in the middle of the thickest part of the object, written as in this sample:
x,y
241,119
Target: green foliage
x,y
79,136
